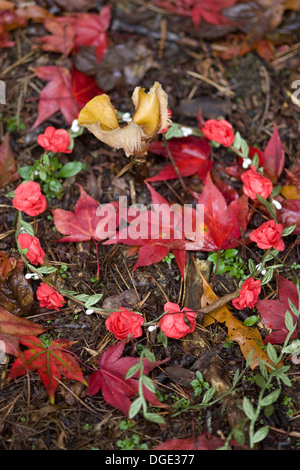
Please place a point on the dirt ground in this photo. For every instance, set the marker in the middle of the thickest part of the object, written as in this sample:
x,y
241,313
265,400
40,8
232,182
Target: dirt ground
x,y
247,91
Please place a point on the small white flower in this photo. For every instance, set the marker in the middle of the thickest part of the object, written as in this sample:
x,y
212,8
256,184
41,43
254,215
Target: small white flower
x,y
89,311
246,163
258,266
36,172
152,328
75,126
126,117
263,272
31,275
277,204
186,131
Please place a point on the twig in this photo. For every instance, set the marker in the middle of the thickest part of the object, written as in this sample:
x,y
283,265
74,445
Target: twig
x,y
221,302
184,186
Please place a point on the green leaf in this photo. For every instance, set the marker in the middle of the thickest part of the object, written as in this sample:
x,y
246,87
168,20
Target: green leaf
x,y
132,371
238,435
28,228
46,270
268,205
263,370
271,398
231,253
288,230
149,355
207,397
154,418
70,169
260,381
248,409
289,322
292,348
162,338
251,265
267,277
92,300
250,321
255,160
284,378
293,308
276,191
271,351
244,148
149,384
261,434
249,358
237,141
236,377
268,411
26,172
173,131
135,407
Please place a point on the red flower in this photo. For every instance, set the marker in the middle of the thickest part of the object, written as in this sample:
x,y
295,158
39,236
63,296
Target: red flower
x,y
177,323
35,252
268,235
55,140
125,324
255,183
249,293
49,297
29,199
219,131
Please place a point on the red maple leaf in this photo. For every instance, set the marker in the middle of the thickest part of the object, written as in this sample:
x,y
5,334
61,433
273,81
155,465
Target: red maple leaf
x,y
56,95
62,38
84,88
11,328
157,231
191,155
90,30
51,362
62,93
110,379
222,223
84,224
205,441
80,29
274,156
209,10
273,311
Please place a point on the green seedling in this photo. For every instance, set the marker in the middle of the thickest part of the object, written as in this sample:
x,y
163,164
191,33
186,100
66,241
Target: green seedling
x,y
228,261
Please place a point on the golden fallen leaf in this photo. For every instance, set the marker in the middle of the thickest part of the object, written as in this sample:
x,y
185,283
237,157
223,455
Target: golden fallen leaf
x,y
247,338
